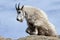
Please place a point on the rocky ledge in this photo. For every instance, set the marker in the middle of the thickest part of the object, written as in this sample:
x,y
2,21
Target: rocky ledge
x,y
33,37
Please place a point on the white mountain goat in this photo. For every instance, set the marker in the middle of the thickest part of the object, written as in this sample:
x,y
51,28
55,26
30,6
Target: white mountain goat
x,y
37,20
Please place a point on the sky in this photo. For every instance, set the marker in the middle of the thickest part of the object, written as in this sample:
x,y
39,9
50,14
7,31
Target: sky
x,y
11,28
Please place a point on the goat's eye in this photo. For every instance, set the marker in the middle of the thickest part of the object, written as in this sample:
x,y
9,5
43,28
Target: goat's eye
x,y
19,12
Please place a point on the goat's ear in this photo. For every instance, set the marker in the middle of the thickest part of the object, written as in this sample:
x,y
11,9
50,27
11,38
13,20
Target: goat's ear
x,y
22,7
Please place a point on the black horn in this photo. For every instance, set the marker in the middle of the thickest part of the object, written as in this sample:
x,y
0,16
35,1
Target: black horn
x,y
18,6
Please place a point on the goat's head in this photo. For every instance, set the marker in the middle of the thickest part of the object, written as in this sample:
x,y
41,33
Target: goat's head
x,y
20,12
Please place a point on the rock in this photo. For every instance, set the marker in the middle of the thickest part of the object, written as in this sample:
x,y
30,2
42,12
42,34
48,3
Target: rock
x,y
9,39
59,36
2,38
36,37
32,37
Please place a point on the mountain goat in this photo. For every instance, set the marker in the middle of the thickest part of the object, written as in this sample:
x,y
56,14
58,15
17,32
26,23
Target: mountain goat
x,y
37,20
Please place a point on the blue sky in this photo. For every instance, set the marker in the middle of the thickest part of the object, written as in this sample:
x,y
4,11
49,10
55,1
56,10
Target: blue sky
x,y
10,27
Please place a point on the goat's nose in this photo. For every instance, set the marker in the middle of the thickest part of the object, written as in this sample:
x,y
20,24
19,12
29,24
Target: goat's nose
x,y
17,19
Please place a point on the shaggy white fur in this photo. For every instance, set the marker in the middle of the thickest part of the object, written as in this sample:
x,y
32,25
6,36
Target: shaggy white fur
x,y
38,23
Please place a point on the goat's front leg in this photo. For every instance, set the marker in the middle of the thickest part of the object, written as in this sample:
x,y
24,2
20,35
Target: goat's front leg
x,y
32,31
